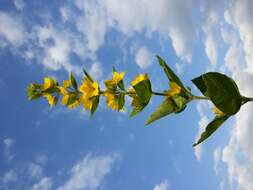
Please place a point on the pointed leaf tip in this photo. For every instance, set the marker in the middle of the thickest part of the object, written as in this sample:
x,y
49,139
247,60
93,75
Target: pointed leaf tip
x,y
211,128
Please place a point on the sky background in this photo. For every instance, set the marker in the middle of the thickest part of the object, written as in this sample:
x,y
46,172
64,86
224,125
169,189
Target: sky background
x,y
43,148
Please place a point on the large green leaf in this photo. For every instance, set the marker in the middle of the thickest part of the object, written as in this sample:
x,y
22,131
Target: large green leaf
x,y
137,110
221,90
170,105
211,128
143,91
170,74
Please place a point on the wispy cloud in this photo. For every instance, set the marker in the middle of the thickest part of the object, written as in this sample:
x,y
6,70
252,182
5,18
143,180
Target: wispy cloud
x,y
143,57
90,172
44,184
19,4
11,29
35,171
10,176
202,110
8,143
164,185
237,154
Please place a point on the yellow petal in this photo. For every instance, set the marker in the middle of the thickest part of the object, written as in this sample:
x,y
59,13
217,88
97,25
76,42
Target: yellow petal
x,y
174,89
117,77
63,90
50,99
139,78
48,82
89,88
66,83
65,99
111,100
95,90
110,83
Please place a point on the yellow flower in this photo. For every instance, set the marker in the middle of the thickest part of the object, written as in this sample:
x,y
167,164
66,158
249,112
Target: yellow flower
x,y
65,99
111,100
87,103
66,83
50,99
48,83
139,78
63,88
89,88
217,111
116,78
174,89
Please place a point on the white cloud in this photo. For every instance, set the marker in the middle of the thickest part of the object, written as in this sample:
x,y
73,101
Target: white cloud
x,y
19,4
8,143
164,185
133,16
179,68
238,154
65,13
239,14
44,184
211,29
10,176
35,171
217,157
90,172
143,57
96,70
201,108
11,29
41,159
57,47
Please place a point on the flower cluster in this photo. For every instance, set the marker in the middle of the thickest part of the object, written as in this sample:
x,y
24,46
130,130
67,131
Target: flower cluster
x,y
88,93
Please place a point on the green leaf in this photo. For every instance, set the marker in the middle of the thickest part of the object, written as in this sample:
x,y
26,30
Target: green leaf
x,y
73,81
33,91
95,102
221,90
164,109
121,85
170,105
211,128
87,75
136,110
121,100
170,74
143,91
72,99
175,104
56,99
51,90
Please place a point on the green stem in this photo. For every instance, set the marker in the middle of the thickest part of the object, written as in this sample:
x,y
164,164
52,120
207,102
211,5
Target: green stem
x,y
246,99
199,98
159,94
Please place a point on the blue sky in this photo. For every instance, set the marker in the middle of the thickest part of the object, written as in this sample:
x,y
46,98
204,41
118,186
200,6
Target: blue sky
x,y
43,148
